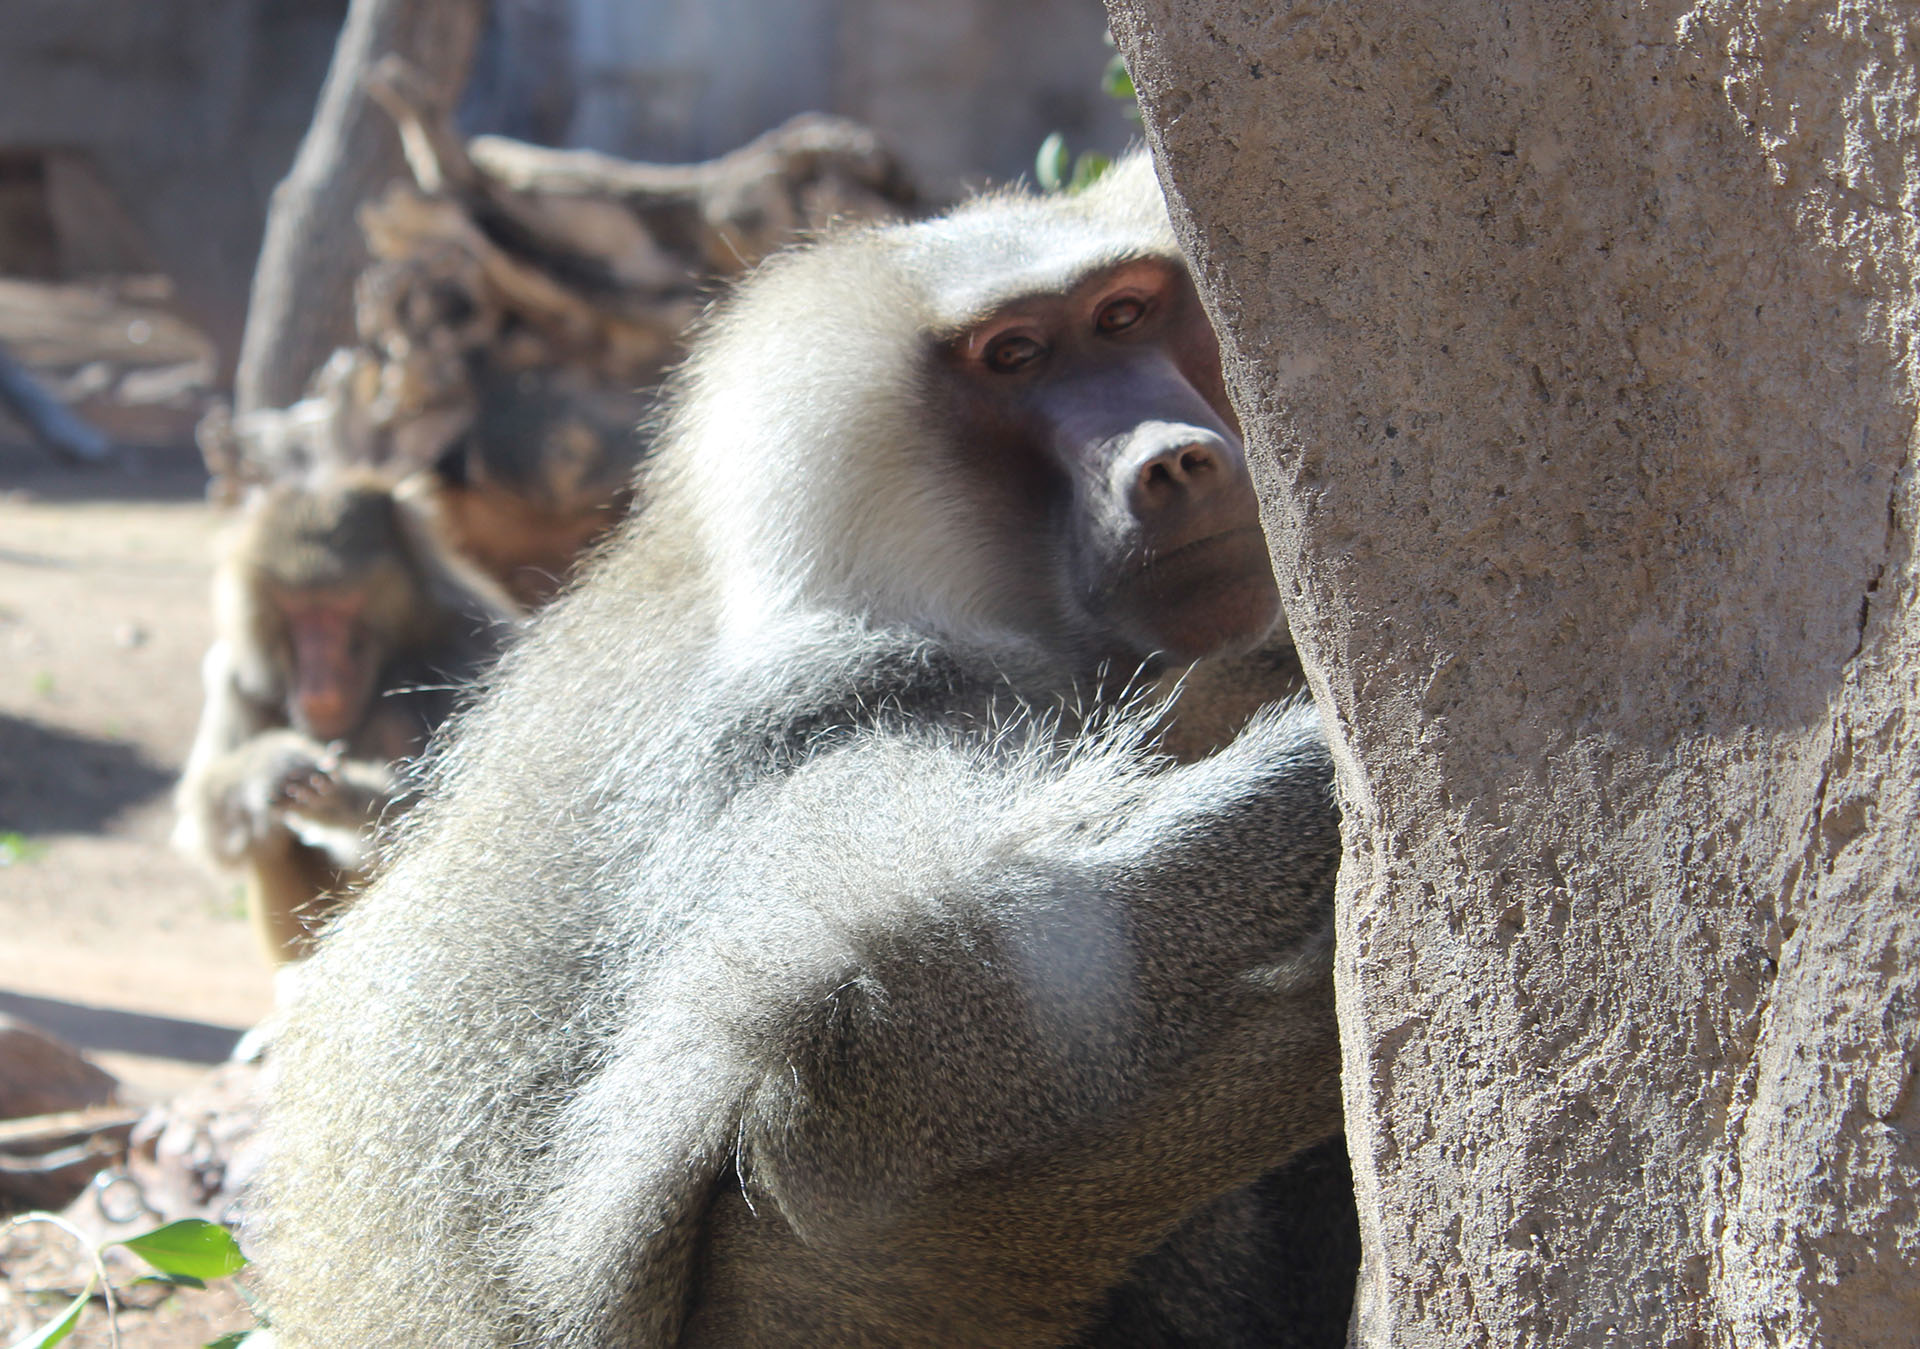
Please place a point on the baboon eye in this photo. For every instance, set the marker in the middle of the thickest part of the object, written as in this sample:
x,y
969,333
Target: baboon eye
x,y
1120,314
1012,352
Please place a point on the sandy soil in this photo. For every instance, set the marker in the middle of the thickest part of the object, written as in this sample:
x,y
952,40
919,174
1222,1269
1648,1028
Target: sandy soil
x,y
103,619
107,938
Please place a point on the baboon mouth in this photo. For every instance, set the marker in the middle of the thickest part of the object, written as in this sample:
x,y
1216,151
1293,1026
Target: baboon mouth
x,y
1185,573
1197,550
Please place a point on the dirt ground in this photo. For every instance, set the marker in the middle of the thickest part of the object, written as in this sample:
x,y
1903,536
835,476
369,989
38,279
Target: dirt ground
x,y
103,620
104,617
44,1270
107,937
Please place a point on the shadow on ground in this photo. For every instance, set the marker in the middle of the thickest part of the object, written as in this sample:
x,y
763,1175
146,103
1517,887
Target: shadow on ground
x,y
139,473
57,782
112,1031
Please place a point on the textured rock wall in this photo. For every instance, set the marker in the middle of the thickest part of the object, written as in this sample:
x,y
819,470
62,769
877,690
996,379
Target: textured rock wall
x,y
1575,347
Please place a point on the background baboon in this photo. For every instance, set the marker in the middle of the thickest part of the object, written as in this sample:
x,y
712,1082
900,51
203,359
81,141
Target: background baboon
x,y
531,484
528,459
807,943
344,632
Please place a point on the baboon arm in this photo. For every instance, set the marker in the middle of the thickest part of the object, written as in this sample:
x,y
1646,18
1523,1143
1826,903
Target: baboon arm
x,y
1104,1007
633,1219
213,821
945,1046
226,801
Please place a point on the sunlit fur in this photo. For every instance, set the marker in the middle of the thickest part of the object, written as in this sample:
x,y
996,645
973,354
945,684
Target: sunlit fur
x,y
866,521
784,889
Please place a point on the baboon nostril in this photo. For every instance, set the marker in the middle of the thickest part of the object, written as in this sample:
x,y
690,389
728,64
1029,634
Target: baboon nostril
x,y
1177,467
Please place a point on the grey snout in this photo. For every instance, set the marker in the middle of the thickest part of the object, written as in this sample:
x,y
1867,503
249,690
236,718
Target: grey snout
x,y
1168,466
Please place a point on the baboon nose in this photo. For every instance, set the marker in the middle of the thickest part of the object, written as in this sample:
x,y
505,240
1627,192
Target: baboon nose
x,y
1181,467
1173,466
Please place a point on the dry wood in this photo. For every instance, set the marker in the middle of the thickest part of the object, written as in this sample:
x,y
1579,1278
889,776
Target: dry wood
x,y
46,1160
42,1131
299,308
542,290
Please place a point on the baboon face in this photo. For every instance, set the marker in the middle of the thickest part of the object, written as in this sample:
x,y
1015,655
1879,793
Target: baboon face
x,y
333,647
331,592
1096,417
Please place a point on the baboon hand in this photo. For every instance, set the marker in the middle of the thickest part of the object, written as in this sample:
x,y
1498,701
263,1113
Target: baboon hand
x,y
294,774
315,788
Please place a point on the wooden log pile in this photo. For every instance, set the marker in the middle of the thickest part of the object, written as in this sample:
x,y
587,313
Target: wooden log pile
x,y
61,1118
522,307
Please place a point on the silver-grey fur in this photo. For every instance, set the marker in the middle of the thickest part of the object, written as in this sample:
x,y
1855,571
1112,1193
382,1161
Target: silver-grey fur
x,y
796,949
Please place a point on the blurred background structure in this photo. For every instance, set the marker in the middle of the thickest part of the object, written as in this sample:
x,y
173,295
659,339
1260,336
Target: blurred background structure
x,y
145,137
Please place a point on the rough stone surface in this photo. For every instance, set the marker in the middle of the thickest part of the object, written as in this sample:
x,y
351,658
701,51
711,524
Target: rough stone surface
x,y
1575,348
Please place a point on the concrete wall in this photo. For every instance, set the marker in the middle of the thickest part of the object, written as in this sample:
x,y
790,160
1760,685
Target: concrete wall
x,y
155,130
964,89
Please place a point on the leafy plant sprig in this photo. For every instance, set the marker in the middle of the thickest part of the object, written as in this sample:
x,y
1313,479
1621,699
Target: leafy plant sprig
x,y
185,1254
1056,168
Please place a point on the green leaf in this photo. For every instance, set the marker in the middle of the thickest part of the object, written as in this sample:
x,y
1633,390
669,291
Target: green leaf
x,y
1116,81
55,1331
200,1250
173,1280
16,849
1051,165
233,1339
1087,168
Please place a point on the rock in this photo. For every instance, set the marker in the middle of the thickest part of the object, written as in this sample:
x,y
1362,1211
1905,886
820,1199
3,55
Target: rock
x,y
1574,346
40,1075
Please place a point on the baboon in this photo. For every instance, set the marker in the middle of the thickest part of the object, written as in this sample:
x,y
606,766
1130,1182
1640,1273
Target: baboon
x,y
806,941
344,631
542,472
528,460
